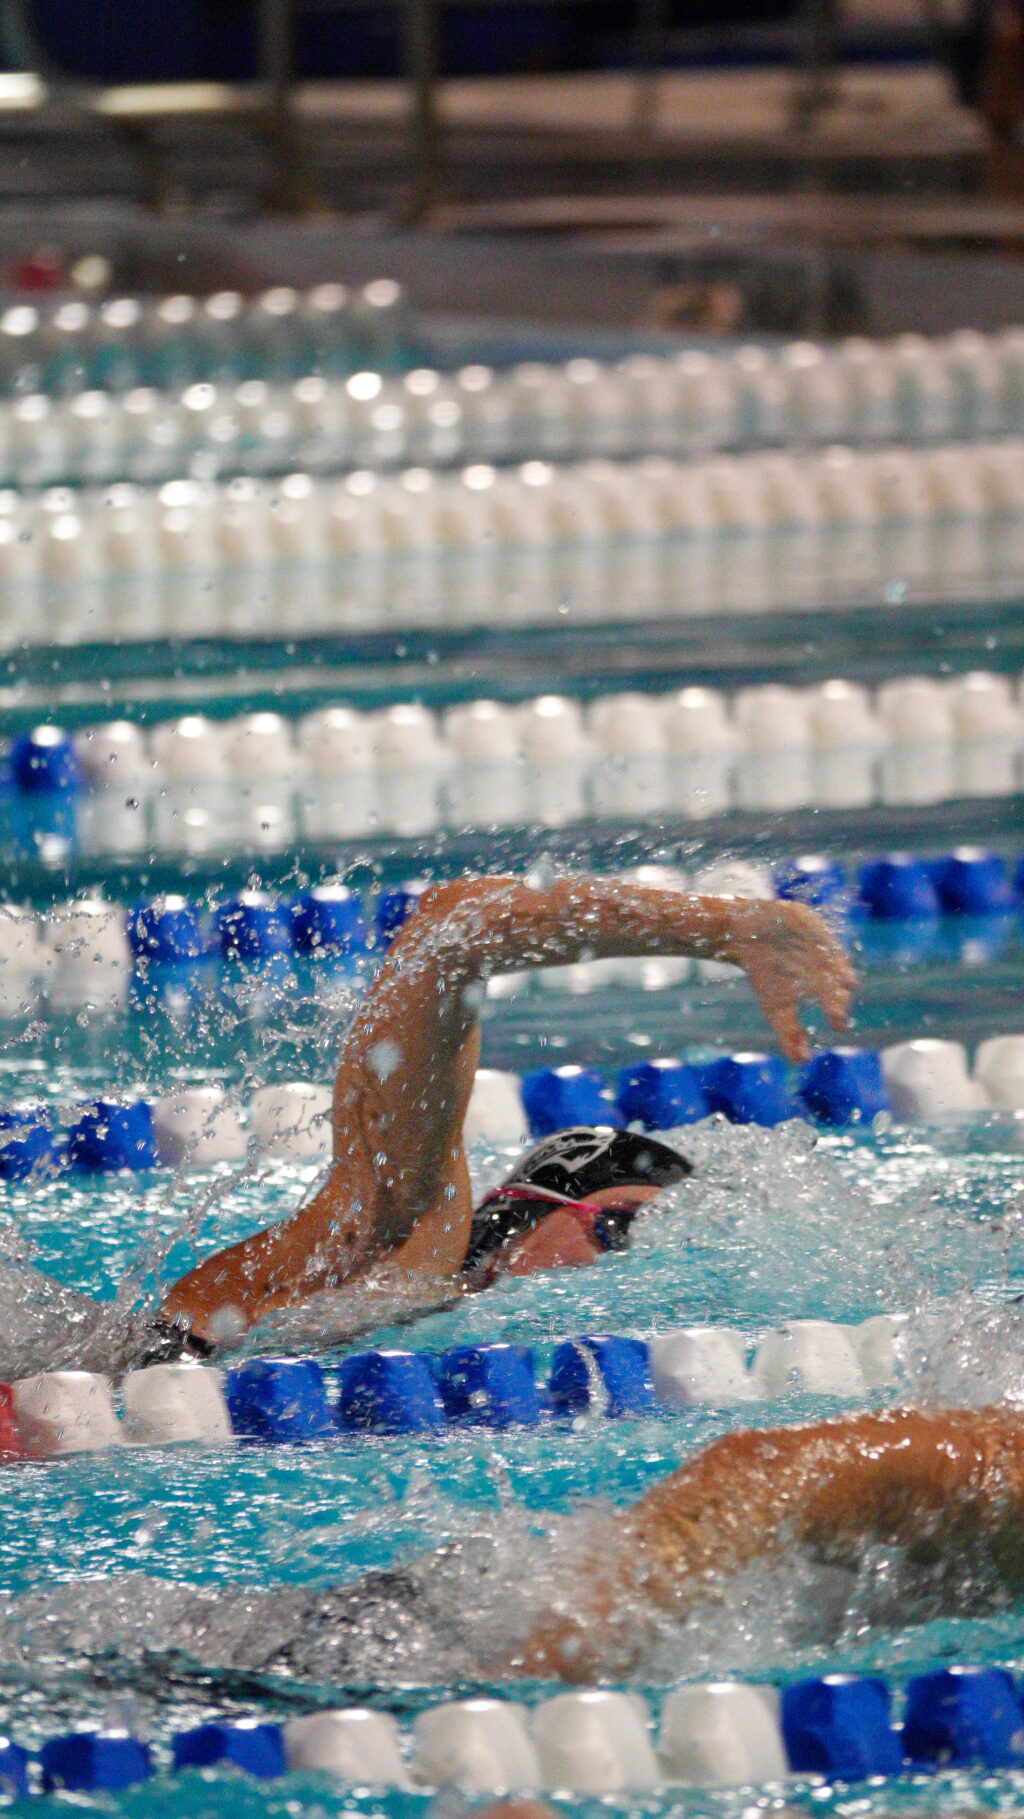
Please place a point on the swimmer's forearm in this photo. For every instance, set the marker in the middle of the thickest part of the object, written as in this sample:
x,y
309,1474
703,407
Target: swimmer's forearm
x,y
707,1520
222,1297
465,932
895,1477
320,1249
496,925
313,1250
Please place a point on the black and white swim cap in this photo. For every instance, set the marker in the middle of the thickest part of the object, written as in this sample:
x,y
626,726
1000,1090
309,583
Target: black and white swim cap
x,y
585,1158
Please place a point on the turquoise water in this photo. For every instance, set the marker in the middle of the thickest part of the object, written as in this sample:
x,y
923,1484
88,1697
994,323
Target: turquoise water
x,y
103,1557
772,1224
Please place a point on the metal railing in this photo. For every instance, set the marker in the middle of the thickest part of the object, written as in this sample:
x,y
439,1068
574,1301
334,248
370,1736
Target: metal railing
x,y
133,110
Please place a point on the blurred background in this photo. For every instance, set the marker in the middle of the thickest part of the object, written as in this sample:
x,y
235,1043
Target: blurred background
x,y
789,166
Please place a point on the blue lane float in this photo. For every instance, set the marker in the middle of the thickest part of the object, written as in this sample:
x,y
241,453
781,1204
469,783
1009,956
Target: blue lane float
x,y
556,1097
109,1136
961,1716
167,929
840,1726
256,1748
814,879
973,883
612,1371
395,906
86,1762
751,1089
14,1770
28,1144
489,1386
897,889
844,1086
43,763
328,922
389,1393
253,926
279,1399
661,1094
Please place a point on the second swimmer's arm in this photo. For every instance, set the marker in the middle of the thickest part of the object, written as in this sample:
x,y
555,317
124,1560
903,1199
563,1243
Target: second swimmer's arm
x,y
947,1485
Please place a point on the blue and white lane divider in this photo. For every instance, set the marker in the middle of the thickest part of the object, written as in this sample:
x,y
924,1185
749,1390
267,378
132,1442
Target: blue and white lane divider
x,y
281,1401
104,957
196,1127
923,1081
598,1742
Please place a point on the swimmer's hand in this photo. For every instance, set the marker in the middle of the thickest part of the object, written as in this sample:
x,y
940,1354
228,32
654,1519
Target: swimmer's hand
x,y
791,957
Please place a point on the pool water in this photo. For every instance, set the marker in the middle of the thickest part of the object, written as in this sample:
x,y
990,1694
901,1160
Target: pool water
x,y
97,1623
159,1587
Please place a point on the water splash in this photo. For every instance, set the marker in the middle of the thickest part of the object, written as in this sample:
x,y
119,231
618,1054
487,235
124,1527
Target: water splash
x,y
770,1226
458,1615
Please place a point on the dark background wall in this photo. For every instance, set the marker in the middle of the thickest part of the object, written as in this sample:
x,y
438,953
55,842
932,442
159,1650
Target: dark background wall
x,y
174,40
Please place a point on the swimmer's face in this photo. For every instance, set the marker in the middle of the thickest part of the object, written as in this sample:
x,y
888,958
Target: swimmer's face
x,y
559,1242
619,1206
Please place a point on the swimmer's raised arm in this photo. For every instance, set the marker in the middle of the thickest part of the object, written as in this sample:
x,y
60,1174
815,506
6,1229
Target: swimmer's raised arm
x,y
408,1066
948,1486
474,928
398,1185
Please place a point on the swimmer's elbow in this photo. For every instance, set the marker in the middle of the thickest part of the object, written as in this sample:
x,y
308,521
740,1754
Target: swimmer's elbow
x,y
443,901
440,899
455,922
741,1456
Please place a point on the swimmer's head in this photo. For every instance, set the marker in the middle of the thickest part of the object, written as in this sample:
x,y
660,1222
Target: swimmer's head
x,y
588,1160
607,1174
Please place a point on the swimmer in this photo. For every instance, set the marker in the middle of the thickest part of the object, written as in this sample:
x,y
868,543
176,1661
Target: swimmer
x,y
395,1212
941,1494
